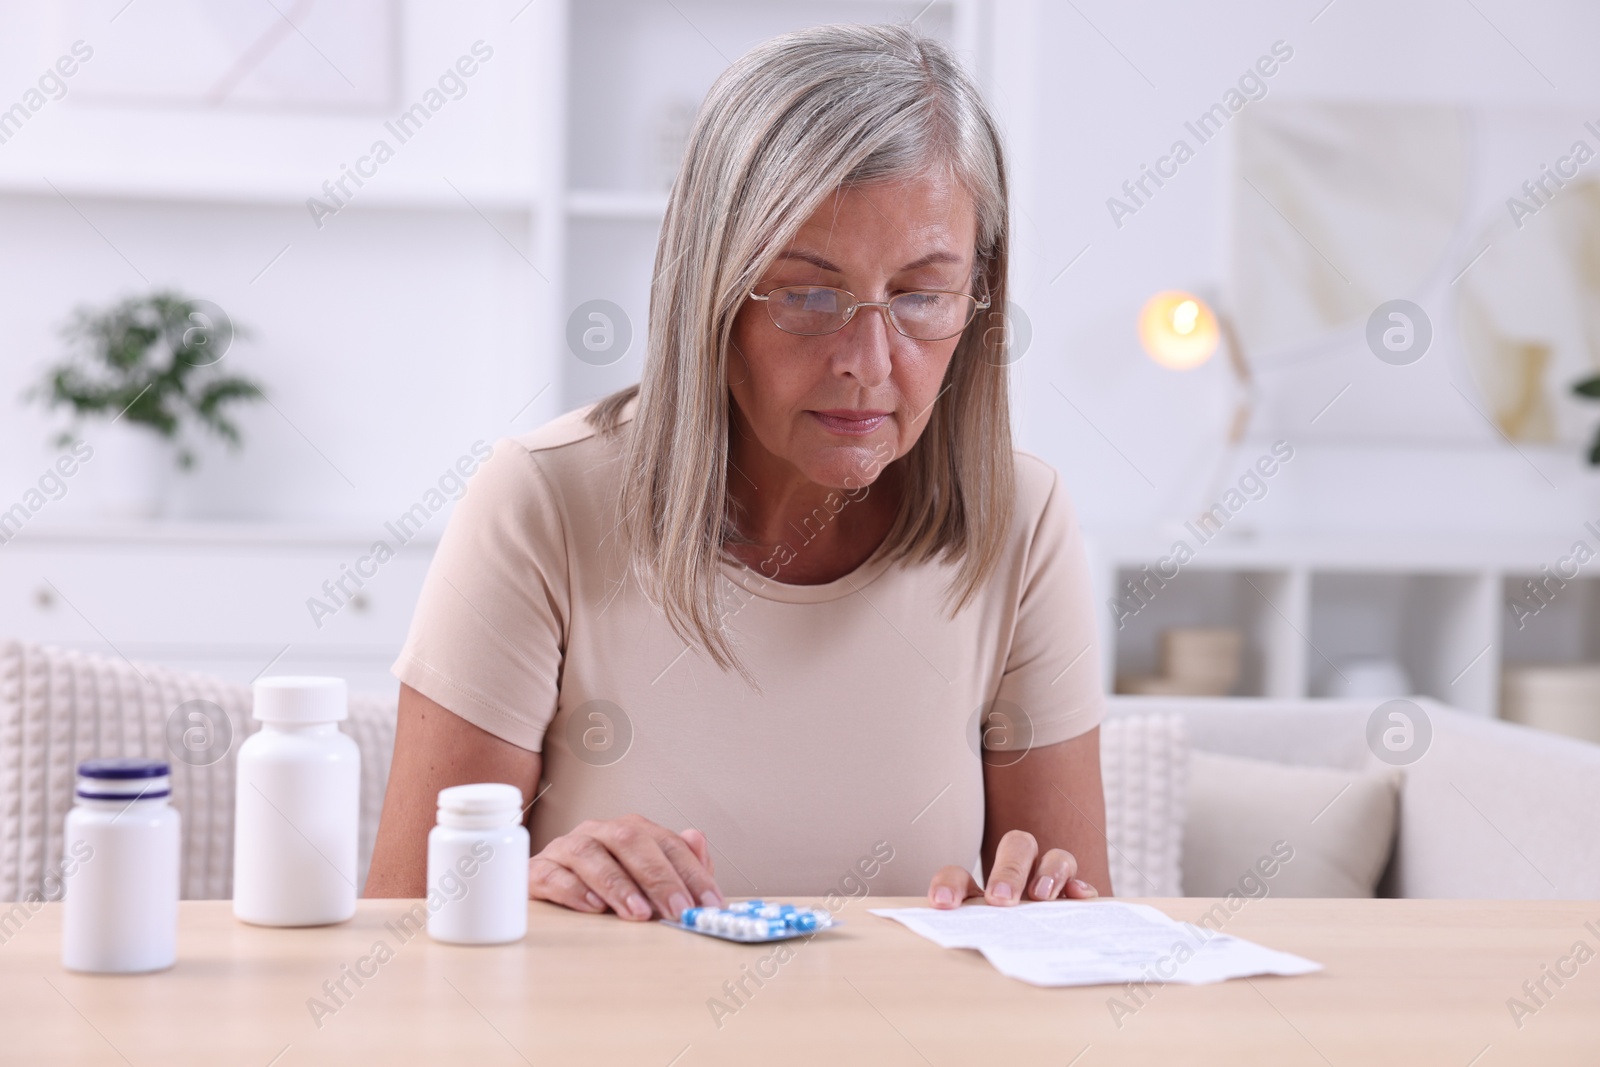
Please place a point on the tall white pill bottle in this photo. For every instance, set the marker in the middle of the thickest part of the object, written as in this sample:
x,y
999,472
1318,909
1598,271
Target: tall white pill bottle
x,y
297,808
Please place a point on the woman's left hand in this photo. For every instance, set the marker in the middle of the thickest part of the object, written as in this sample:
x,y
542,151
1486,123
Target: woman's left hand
x,y
1019,872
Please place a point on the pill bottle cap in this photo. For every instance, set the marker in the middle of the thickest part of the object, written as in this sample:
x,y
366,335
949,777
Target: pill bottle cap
x,y
295,699
126,778
480,805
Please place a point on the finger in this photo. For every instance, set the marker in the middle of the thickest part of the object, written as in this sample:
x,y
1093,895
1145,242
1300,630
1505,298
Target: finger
x,y
548,880
633,842
692,870
950,886
1078,889
1053,873
591,860
1013,862
702,848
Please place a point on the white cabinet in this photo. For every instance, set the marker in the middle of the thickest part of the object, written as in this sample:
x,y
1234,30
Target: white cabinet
x,y
232,601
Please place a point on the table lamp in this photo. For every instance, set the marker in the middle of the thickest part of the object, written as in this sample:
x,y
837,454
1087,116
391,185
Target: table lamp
x,y
1180,331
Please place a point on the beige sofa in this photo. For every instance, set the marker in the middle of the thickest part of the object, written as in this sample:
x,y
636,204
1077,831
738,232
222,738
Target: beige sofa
x,y
58,707
1490,810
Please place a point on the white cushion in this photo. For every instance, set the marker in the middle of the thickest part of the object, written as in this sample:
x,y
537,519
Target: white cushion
x,y
1143,760
1259,828
59,707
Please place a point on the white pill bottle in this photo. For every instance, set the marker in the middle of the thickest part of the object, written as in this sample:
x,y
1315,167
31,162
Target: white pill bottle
x,y
298,807
119,864
478,866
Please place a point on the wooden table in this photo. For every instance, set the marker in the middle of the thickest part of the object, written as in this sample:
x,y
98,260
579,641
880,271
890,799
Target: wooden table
x,y
1407,982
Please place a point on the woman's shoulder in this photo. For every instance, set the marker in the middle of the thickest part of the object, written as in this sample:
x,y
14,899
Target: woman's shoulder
x,y
570,455
568,466
573,428
1039,489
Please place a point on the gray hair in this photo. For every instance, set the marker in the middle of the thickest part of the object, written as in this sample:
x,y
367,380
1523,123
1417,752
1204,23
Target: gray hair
x,y
788,123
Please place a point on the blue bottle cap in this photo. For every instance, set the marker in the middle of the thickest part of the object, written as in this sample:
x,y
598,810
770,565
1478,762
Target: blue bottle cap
x,y
125,778
123,768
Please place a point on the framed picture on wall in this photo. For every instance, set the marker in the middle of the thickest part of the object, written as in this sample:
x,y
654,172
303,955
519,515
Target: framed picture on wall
x,y
1485,220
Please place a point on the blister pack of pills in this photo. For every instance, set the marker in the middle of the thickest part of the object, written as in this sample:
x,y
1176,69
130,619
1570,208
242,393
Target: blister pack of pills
x,y
755,920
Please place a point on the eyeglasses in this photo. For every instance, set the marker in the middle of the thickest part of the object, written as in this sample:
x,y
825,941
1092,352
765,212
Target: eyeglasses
x,y
922,315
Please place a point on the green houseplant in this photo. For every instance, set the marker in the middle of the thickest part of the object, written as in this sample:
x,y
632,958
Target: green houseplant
x,y
1590,387
151,362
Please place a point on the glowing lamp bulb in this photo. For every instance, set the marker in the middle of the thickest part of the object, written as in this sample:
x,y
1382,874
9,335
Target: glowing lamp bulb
x,y
1178,330
1184,315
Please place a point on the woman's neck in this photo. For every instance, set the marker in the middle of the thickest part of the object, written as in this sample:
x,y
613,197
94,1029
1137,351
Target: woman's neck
x,y
796,531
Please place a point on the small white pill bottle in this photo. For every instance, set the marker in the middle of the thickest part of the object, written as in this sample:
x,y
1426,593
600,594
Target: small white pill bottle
x,y
478,866
297,808
120,868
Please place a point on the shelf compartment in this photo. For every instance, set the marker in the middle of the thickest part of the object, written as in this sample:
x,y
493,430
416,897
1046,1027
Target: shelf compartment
x,y
638,71
1551,620
1262,604
1439,627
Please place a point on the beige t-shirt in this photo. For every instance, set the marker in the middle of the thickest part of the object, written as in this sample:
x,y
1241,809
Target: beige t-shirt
x,y
863,740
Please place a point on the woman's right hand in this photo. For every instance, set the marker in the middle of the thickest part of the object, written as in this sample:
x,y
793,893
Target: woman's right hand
x,y
629,865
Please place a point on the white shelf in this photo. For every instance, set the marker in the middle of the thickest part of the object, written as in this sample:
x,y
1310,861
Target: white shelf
x,y
278,192
1371,552
187,532
1306,605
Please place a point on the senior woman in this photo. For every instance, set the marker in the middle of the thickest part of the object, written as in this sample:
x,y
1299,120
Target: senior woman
x,y
790,617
